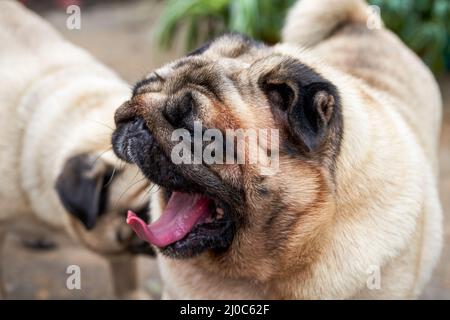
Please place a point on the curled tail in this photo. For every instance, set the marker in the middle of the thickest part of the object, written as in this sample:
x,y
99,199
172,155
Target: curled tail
x,y
310,21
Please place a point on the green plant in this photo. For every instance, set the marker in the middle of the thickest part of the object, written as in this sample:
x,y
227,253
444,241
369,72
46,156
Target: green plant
x,y
260,19
423,24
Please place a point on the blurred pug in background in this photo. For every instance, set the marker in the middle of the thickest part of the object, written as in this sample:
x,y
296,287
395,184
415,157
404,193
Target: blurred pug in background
x,y
353,211
58,173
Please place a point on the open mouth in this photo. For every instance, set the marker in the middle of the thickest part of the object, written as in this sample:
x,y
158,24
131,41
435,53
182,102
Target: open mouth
x,y
193,220
189,224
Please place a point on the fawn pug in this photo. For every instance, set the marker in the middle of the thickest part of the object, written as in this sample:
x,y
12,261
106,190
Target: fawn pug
x,y
57,107
356,192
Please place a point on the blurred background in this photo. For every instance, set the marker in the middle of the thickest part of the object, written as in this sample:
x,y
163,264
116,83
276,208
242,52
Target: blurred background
x,y
133,37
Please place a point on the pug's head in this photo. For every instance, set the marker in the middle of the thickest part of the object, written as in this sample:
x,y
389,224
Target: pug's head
x,y
227,216
97,195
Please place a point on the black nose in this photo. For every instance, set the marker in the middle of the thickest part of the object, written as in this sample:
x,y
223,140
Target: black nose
x,y
178,111
129,138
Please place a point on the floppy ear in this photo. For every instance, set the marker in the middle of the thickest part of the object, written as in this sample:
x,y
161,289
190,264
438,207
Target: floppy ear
x,y
305,102
81,187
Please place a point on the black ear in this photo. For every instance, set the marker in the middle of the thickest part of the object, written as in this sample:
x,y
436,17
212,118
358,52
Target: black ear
x,y
81,187
305,102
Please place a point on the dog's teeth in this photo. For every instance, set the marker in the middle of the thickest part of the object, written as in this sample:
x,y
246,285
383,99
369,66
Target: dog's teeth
x,y
209,220
219,212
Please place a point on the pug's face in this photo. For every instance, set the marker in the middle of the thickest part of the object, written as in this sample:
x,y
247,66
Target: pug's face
x,y
230,217
97,196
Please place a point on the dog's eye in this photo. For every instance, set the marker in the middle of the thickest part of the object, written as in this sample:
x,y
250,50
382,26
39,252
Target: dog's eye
x,y
151,84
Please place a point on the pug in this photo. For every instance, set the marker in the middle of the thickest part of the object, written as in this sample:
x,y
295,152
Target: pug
x,y
353,209
59,174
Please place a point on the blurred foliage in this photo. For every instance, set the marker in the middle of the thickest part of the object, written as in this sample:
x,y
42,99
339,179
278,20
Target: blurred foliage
x,y
423,24
260,19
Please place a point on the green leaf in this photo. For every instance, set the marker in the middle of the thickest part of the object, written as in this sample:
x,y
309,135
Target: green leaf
x,y
424,25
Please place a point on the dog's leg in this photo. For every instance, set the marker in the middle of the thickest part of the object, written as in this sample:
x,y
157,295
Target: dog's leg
x,y
125,277
2,276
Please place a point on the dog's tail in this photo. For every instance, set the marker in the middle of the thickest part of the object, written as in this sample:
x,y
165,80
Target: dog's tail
x,y
310,21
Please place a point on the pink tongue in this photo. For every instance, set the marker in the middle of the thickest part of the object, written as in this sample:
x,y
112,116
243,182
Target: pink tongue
x,y
182,212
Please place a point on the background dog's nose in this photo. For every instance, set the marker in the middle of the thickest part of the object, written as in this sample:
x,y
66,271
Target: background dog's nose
x,y
178,110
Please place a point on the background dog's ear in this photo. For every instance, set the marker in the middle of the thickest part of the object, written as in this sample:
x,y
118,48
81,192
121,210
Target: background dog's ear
x,y
81,187
305,102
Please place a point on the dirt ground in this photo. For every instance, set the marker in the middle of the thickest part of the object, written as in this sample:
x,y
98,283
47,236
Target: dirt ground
x,y
121,36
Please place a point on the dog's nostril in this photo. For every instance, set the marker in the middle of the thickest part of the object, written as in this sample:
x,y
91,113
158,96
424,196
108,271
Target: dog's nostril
x,y
177,111
137,124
